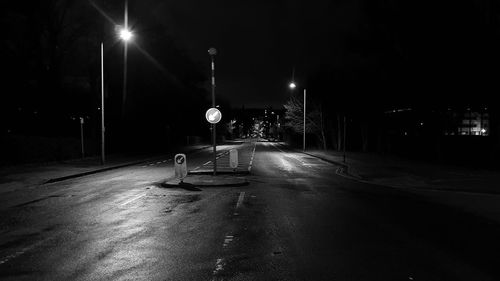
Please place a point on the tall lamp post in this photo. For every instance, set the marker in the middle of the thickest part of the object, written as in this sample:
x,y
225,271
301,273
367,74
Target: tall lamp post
x,y
212,52
103,154
124,35
293,86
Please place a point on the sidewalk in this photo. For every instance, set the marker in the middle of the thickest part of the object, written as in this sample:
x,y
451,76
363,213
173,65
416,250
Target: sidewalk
x,y
30,175
403,173
475,191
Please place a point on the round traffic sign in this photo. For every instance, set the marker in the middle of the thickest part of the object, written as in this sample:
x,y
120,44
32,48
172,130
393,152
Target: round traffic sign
x,y
213,115
179,159
212,51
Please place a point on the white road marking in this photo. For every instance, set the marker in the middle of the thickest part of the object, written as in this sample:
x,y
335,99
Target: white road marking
x,y
240,200
22,251
207,163
159,162
287,165
219,266
227,240
251,158
133,199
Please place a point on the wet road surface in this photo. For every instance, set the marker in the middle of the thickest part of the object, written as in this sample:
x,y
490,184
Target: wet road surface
x,y
297,219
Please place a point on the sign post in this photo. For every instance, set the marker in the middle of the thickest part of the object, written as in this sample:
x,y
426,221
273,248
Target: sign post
x,y
180,166
213,116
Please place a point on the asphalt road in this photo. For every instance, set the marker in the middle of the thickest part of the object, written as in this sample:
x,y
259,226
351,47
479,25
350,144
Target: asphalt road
x,y
297,219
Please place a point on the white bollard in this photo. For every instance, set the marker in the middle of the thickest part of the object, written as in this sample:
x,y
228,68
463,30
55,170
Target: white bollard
x,y
233,158
180,166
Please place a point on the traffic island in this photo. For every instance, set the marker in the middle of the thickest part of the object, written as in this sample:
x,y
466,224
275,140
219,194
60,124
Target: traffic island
x,y
219,172
193,181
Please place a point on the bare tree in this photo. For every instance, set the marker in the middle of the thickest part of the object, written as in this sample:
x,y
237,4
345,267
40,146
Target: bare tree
x,y
315,124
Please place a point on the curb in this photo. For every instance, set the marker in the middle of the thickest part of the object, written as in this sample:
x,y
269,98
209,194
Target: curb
x,y
344,172
193,185
58,179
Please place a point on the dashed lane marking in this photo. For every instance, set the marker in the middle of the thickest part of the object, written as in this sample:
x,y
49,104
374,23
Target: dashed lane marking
x,y
227,240
251,159
22,251
240,200
219,266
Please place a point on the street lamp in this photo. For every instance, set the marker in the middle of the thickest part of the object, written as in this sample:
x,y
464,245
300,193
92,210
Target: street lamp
x,y
125,35
212,52
292,86
103,157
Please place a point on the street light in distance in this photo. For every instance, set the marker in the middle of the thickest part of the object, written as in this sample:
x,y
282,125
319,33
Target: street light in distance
x,y
292,86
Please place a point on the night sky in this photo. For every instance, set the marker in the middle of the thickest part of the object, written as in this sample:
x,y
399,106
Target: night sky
x,y
259,42
383,52
423,49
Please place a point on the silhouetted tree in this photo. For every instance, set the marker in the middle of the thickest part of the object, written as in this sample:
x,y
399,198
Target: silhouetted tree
x,y
315,123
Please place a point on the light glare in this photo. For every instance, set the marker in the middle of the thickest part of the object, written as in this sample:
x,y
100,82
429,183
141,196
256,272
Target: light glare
x,y
125,34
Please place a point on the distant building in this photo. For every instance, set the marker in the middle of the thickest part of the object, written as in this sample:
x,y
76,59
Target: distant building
x,y
470,122
457,134
449,122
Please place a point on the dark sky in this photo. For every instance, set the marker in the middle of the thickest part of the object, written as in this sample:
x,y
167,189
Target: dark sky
x,y
413,47
258,42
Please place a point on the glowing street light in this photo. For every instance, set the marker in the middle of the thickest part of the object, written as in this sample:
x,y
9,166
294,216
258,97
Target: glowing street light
x,y
126,34
292,85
